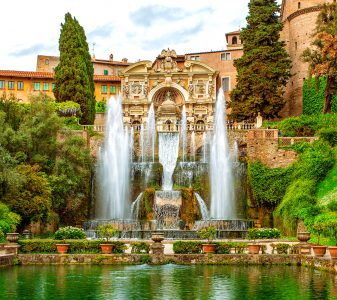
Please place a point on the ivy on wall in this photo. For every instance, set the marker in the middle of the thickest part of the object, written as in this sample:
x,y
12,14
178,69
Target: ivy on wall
x,y
313,96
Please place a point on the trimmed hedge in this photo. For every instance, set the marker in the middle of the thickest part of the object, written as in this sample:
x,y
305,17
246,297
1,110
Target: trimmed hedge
x,y
70,232
181,247
263,233
140,247
75,246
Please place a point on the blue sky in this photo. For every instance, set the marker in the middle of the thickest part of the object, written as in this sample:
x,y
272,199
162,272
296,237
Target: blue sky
x,y
129,28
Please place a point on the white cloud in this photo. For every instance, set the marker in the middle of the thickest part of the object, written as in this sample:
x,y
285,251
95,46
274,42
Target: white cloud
x,y
127,28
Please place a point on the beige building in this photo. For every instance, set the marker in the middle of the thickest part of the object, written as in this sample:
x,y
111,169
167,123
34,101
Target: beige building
x,y
169,82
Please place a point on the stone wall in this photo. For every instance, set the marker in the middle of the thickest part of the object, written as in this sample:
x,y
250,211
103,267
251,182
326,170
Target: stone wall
x,y
263,145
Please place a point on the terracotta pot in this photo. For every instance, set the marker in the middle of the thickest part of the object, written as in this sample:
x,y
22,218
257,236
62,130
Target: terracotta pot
x,y
303,237
106,248
319,250
333,252
254,248
12,237
208,248
62,248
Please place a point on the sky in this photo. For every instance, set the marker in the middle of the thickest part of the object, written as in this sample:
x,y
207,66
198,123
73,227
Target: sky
x,y
133,29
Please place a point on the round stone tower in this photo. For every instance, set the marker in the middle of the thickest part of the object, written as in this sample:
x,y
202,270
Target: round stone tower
x,y
299,21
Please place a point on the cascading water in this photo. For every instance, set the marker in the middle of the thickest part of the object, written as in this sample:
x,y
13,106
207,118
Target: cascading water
x,y
202,206
151,131
142,144
114,166
168,154
193,146
183,132
135,207
222,189
235,152
204,147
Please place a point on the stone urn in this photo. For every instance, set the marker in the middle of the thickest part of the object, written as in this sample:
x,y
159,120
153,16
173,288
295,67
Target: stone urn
x,y
157,237
12,237
303,237
319,251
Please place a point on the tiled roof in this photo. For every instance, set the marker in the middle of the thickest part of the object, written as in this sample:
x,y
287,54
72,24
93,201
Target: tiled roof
x,y
50,75
26,74
233,32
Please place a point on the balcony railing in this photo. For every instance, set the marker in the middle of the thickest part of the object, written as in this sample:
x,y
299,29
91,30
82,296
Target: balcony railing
x,y
177,127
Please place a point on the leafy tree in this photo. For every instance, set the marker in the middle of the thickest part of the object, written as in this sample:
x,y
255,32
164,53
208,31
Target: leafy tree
x,y
322,58
31,200
8,220
70,181
74,73
264,68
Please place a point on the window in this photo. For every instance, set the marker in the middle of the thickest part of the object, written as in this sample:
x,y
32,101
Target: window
x,y
105,72
46,86
112,89
46,61
299,5
36,86
52,86
104,89
295,45
234,40
11,85
195,57
2,84
225,84
20,85
226,56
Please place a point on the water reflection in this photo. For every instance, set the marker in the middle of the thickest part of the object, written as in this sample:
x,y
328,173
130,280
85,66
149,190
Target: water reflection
x,y
165,282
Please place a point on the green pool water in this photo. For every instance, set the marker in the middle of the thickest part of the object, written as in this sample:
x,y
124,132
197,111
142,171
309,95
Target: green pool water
x,y
165,282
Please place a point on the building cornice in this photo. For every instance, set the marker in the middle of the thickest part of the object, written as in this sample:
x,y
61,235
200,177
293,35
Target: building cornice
x,y
303,11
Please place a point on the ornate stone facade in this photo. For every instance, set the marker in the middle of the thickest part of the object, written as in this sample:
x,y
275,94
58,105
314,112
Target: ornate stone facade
x,y
169,82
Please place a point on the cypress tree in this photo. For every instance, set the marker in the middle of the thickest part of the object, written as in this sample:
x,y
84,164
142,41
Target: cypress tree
x,y
74,73
264,68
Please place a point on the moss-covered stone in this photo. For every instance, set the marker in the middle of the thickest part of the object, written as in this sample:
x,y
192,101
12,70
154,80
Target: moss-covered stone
x,y
189,211
146,205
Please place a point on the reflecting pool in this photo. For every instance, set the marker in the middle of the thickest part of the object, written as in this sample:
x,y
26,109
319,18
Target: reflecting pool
x,y
165,282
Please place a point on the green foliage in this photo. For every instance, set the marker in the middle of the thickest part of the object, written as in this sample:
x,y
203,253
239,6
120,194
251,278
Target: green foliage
x,y
268,185
74,73
180,247
8,220
101,106
281,248
146,205
31,200
69,232
208,233
329,135
263,233
72,123
304,125
75,246
106,231
225,248
264,68
140,247
68,108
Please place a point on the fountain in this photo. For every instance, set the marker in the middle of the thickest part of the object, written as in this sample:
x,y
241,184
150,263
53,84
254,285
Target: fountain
x,y
158,206
222,190
114,166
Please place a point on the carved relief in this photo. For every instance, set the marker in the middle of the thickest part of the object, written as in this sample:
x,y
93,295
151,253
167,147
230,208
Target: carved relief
x,y
168,64
190,89
136,88
210,89
126,91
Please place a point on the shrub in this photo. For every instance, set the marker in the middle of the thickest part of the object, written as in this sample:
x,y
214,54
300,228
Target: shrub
x,y
263,233
181,247
281,248
225,248
75,246
101,106
208,233
329,135
67,108
140,247
106,231
69,232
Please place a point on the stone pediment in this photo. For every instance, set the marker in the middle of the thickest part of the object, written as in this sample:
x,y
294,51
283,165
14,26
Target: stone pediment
x,y
198,67
138,67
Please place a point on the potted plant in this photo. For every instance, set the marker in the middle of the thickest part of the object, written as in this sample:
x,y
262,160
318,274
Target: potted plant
x,y
106,231
332,225
318,249
253,248
62,248
208,233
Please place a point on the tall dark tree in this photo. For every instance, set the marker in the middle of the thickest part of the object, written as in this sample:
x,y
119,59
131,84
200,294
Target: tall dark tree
x,y
74,74
264,68
322,58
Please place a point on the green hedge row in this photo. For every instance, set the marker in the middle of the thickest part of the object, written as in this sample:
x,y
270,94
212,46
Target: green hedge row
x,y
181,247
263,233
75,246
